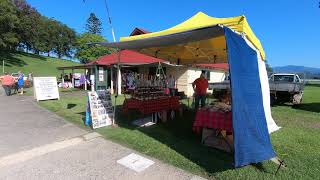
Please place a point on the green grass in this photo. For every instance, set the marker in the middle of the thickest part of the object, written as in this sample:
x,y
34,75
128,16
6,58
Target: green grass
x,y
39,65
174,142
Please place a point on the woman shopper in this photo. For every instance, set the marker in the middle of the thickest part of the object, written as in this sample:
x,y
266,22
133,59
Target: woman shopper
x,y
21,82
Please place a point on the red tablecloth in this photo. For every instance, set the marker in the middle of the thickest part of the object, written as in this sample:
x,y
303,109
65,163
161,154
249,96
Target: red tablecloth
x,y
152,105
211,119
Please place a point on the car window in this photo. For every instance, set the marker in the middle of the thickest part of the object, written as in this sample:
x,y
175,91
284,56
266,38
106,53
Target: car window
x,y
283,78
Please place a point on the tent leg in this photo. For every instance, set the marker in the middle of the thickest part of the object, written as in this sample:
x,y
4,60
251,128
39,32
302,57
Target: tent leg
x,y
111,75
62,77
85,83
72,80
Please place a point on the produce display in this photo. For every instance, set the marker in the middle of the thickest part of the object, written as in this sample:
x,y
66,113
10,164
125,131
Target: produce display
x,y
146,93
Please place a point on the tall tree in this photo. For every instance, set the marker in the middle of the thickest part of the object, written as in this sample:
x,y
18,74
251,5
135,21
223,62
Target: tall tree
x,y
94,25
86,53
30,25
63,39
9,22
46,32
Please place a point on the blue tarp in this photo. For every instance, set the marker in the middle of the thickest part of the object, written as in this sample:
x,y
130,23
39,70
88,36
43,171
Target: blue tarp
x,y
251,138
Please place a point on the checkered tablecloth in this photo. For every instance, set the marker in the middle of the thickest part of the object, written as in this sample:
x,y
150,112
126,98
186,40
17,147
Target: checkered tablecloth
x,y
152,105
212,119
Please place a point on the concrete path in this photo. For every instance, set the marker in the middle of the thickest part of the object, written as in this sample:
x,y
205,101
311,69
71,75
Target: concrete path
x,y
37,144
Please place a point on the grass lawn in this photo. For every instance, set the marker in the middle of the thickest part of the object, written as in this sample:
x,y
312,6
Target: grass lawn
x,y
174,142
39,65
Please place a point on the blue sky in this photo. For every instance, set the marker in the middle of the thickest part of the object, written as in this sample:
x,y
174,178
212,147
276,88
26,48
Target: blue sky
x,y
288,29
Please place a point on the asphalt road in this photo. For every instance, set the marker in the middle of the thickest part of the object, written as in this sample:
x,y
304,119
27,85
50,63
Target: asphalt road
x,y
37,144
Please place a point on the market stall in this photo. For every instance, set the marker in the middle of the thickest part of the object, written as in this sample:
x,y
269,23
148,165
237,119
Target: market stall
x,y
205,39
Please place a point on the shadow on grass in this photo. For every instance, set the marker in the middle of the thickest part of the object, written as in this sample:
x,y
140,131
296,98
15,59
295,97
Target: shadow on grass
x,y
312,107
70,106
261,168
313,85
178,135
12,58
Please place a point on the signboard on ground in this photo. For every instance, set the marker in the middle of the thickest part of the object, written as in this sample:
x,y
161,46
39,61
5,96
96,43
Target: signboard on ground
x,y
45,88
101,110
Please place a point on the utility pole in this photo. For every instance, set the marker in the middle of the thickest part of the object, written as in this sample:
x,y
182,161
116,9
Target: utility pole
x,y
109,20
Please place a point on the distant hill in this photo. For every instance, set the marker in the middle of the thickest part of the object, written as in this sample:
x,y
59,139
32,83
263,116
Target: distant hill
x,y
39,65
310,72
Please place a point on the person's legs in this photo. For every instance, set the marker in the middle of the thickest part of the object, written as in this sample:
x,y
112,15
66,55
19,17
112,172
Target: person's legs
x,y
172,92
21,90
196,104
203,100
7,90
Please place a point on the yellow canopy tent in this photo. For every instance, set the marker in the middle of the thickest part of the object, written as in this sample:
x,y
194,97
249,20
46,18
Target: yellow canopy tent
x,y
203,50
204,39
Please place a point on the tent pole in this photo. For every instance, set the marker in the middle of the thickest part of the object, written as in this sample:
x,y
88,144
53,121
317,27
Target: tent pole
x,y
72,78
85,75
62,78
119,80
111,79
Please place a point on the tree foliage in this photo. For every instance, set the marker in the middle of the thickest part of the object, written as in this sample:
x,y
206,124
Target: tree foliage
x,y
9,23
23,26
86,53
269,68
94,25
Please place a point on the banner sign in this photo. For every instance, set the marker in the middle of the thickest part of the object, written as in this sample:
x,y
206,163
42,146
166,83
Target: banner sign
x,y
45,88
101,74
101,110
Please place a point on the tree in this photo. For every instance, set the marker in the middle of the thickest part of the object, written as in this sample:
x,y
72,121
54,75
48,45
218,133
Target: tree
x,y
9,22
63,39
94,25
86,53
46,43
269,68
30,25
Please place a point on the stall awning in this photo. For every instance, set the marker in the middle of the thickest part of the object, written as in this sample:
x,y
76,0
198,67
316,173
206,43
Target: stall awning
x,y
126,57
199,39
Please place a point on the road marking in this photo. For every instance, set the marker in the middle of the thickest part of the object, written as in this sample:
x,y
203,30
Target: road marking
x,y
135,162
45,149
197,178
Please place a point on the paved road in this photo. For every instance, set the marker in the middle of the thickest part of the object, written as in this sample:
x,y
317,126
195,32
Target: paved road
x,y
37,144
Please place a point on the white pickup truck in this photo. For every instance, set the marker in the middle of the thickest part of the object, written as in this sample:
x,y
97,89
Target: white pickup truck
x,y
286,88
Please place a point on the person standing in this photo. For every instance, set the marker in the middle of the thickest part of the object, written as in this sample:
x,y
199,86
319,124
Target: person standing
x,y
30,78
200,87
21,82
172,85
7,83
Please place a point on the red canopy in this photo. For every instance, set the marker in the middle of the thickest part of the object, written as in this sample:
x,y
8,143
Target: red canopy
x,y
126,57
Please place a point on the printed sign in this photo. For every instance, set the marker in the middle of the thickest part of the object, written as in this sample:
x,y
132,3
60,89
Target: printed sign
x,y
101,108
101,74
45,88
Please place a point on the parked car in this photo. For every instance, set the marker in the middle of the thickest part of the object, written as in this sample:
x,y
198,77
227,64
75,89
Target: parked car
x,y
286,88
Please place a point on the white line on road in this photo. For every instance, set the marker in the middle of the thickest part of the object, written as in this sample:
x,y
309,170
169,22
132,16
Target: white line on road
x,y
42,150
